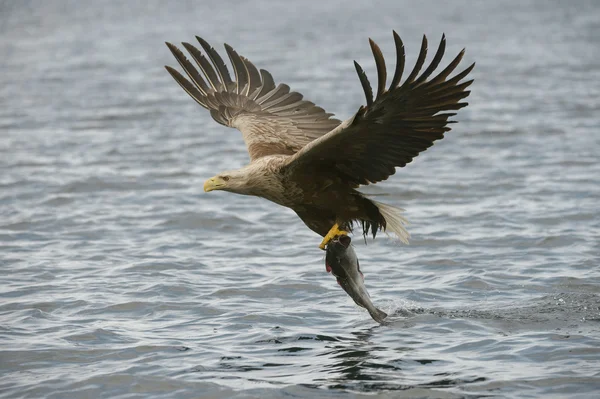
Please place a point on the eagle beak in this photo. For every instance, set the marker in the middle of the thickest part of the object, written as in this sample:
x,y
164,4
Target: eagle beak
x,y
214,183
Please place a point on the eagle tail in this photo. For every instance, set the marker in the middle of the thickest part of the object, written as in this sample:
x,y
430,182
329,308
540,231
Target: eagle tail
x,y
395,223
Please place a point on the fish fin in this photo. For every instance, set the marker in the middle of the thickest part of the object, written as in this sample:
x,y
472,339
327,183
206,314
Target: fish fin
x,y
378,315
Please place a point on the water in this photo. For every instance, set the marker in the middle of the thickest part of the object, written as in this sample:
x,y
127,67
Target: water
x,y
121,278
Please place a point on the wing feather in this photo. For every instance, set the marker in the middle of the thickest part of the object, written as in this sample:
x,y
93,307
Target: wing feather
x,y
281,90
272,119
392,130
205,67
286,99
240,70
362,76
380,64
189,69
400,54
420,62
188,87
254,81
217,61
435,62
268,82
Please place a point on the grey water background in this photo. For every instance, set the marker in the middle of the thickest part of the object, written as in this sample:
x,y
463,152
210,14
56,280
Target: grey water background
x,y
121,278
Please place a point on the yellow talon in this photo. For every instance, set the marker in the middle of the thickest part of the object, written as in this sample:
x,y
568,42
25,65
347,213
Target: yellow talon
x,y
333,232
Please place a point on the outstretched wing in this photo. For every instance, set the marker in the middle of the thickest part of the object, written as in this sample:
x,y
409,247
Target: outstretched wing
x,y
272,119
394,127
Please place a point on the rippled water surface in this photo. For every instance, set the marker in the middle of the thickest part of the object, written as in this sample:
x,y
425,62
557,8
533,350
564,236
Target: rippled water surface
x,y
121,278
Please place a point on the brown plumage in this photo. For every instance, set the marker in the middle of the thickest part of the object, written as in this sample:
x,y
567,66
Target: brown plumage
x,y
301,157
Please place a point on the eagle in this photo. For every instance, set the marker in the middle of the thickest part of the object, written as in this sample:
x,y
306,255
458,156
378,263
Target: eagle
x,y
303,158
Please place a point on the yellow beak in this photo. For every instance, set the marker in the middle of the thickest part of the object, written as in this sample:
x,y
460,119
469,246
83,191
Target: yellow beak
x,y
214,183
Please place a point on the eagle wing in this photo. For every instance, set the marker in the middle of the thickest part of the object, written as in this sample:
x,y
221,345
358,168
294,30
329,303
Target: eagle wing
x,y
396,125
272,119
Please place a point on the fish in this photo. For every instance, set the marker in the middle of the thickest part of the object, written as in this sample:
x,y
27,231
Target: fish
x,y
341,261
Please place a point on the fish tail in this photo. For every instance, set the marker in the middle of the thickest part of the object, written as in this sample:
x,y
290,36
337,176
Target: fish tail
x,y
377,315
395,223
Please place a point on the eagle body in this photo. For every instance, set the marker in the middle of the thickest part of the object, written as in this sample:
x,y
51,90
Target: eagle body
x,y
318,202
303,158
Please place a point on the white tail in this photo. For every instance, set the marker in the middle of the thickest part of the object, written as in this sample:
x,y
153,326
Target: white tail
x,y
394,220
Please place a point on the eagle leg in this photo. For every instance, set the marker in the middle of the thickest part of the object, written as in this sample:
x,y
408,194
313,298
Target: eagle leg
x,y
331,234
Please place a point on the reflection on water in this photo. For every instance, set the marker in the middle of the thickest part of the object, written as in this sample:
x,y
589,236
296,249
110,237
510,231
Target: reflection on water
x,y
361,361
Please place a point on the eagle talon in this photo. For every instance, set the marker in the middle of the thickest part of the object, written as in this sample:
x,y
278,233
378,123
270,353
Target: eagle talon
x,y
333,232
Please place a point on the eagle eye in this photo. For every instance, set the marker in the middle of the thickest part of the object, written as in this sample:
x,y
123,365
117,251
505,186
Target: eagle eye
x,y
225,178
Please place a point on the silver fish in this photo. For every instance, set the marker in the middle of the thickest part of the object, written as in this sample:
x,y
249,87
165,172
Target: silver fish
x,y
341,261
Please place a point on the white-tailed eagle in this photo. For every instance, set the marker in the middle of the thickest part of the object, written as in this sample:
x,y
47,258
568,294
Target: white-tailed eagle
x,y
301,157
